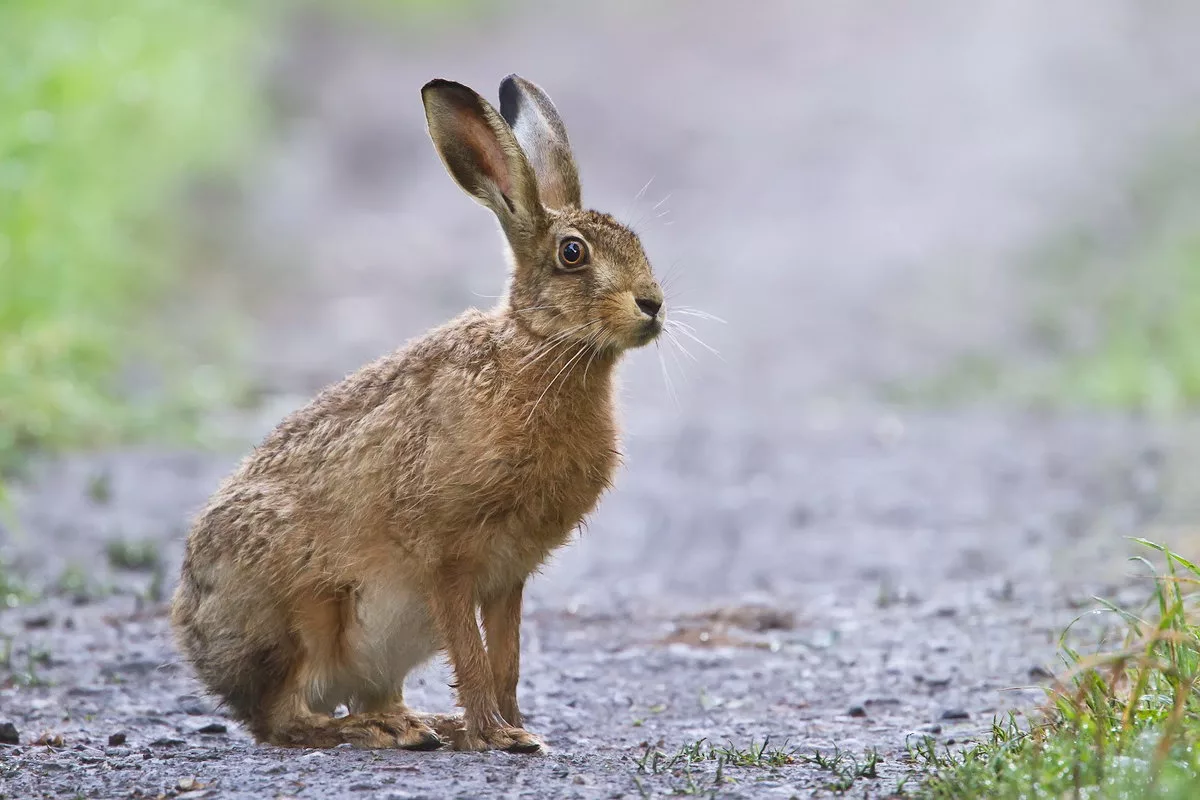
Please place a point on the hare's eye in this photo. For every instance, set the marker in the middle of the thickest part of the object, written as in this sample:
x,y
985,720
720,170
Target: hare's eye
x,y
572,253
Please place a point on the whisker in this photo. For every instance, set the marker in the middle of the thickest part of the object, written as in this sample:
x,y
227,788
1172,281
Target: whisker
x,y
660,202
695,312
688,332
662,362
551,343
671,336
642,191
600,344
582,349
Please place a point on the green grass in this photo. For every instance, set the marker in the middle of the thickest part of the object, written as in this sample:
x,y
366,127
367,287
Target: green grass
x,y
701,768
103,110
1147,355
135,556
1123,724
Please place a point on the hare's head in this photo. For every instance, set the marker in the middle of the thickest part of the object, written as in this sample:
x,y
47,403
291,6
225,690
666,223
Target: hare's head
x,y
578,275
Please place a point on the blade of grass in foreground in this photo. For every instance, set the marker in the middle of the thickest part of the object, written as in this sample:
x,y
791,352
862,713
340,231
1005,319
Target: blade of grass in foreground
x,y
1121,724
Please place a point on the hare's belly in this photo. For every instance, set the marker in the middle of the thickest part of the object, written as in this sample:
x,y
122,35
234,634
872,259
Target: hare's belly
x,y
394,633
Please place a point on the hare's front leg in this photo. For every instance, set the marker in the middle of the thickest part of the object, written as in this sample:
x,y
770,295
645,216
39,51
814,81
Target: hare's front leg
x,y
502,624
452,602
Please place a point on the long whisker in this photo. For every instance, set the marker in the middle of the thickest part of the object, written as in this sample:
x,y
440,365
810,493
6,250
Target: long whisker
x,y
674,356
583,346
635,200
671,335
600,344
662,362
642,191
550,343
687,331
695,312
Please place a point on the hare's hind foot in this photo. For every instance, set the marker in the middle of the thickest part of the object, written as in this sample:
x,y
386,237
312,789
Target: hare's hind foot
x,y
452,729
367,730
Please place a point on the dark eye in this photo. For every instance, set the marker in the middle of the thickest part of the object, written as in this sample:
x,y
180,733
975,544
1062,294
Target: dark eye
x,y
572,253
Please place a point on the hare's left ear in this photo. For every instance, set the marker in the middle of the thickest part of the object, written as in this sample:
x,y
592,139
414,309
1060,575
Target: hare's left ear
x,y
543,137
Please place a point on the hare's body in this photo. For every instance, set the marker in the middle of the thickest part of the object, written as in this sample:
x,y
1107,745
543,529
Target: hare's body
x,y
365,532
348,513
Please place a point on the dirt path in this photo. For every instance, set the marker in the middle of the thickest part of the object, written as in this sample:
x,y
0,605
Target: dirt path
x,y
851,188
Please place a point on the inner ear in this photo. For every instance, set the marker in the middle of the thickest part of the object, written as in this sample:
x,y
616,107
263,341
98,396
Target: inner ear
x,y
484,149
479,150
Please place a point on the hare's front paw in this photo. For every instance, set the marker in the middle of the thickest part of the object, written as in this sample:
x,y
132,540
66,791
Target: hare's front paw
x,y
512,740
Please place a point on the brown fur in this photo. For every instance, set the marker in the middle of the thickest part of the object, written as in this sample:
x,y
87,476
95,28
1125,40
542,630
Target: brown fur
x,y
369,528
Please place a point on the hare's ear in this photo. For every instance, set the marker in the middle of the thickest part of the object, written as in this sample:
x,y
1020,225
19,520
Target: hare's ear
x,y
543,137
479,150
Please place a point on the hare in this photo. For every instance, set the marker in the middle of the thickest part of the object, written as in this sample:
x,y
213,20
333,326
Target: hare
x,y
361,537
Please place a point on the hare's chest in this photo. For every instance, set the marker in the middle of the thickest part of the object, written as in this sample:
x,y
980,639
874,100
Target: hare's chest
x,y
560,474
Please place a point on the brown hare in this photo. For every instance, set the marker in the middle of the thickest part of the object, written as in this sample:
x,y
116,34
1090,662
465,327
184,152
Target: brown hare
x,y
364,533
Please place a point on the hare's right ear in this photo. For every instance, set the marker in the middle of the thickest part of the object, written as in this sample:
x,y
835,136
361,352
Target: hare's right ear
x,y
541,133
479,150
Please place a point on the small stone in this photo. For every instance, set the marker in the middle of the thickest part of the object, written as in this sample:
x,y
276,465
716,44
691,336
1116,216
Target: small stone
x,y
934,729
213,729
192,705
39,621
188,784
955,714
8,734
857,711
167,741
117,739
1040,673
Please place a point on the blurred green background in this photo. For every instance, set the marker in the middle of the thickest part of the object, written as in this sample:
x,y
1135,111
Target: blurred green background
x,y
107,111
104,111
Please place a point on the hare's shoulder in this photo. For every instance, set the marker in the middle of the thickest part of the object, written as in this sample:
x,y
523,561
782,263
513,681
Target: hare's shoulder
x,y
381,398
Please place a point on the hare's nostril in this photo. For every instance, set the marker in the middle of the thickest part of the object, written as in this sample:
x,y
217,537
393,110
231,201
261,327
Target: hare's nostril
x,y
649,307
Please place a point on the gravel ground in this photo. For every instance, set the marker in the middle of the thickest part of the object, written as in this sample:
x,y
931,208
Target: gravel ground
x,y
851,188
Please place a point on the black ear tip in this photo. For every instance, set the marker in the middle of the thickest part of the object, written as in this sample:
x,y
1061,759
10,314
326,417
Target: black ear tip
x,y
444,85
510,98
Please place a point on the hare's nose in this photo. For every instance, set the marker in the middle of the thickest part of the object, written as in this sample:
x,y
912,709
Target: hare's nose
x,y
649,306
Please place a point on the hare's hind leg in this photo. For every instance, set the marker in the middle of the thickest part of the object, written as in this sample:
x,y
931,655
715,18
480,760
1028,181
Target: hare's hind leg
x,y
291,723
323,675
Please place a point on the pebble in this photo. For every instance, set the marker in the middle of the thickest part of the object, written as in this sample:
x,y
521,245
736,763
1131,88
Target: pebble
x,y
213,728
117,739
39,621
8,733
192,706
955,714
167,741
857,711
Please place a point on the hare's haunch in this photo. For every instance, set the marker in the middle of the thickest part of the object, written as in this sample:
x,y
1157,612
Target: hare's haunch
x,y
364,534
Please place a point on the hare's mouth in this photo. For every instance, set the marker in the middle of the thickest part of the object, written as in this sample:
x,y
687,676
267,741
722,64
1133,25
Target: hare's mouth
x,y
648,331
